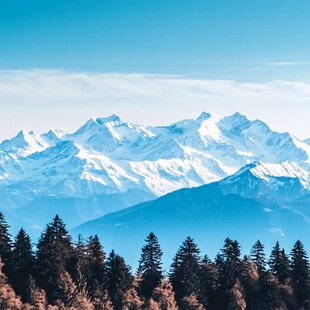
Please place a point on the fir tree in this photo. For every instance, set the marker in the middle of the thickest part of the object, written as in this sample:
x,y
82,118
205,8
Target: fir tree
x,y
269,297
191,303
236,295
163,297
185,270
5,245
95,265
101,300
8,299
279,264
131,300
150,266
22,262
230,269
72,299
250,282
34,296
54,255
258,257
300,273
209,283
120,279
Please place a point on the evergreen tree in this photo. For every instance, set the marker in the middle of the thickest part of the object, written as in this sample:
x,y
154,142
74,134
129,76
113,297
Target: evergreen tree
x,y
230,269
101,300
185,270
22,262
72,299
120,279
131,300
300,273
95,265
150,266
258,257
8,299
209,283
54,256
5,245
237,301
191,303
34,296
250,282
163,297
269,296
279,264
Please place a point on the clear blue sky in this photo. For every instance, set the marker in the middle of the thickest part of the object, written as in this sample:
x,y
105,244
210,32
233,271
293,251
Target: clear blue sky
x,y
260,49
231,39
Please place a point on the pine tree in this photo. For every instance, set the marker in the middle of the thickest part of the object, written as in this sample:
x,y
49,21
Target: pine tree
x,y
5,245
269,297
54,256
209,283
185,270
131,300
95,265
163,297
101,300
300,273
8,299
279,264
120,279
258,257
34,296
236,295
230,269
191,303
150,266
22,262
71,298
250,282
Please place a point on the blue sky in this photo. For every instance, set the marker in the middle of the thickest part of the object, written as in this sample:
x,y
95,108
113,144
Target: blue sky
x,y
227,39
218,56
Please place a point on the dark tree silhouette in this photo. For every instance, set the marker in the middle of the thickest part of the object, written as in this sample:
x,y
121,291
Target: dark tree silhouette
x,y
22,262
53,257
185,271
300,276
120,279
95,265
150,266
258,257
5,245
279,264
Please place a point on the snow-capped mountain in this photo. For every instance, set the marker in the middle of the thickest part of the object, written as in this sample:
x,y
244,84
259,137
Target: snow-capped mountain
x,y
258,200
110,156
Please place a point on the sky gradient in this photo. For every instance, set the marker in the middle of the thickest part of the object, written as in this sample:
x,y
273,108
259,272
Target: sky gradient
x,y
257,42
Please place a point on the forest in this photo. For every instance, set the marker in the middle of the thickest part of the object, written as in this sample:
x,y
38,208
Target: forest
x,y
59,273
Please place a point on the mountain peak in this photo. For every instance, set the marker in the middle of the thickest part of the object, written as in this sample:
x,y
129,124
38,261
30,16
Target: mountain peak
x,y
115,119
205,116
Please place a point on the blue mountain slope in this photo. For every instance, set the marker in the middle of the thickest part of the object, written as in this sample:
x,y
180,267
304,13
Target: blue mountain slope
x,y
208,213
73,211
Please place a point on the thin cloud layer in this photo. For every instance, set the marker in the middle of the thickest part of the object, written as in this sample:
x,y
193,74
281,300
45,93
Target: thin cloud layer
x,y
44,99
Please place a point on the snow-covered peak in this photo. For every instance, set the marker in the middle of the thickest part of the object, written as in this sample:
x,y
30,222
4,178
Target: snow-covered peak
x,y
113,119
24,144
266,170
110,155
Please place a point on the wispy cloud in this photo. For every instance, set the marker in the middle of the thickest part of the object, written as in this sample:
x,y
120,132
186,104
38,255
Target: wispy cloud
x,y
43,99
288,64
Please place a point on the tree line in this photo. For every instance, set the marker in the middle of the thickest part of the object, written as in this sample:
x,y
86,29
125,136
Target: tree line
x,y
62,274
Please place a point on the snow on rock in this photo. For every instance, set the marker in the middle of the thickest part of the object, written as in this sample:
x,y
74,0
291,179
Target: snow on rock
x,y
111,155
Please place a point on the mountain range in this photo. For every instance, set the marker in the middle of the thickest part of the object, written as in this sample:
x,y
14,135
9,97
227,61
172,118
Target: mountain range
x,y
171,173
